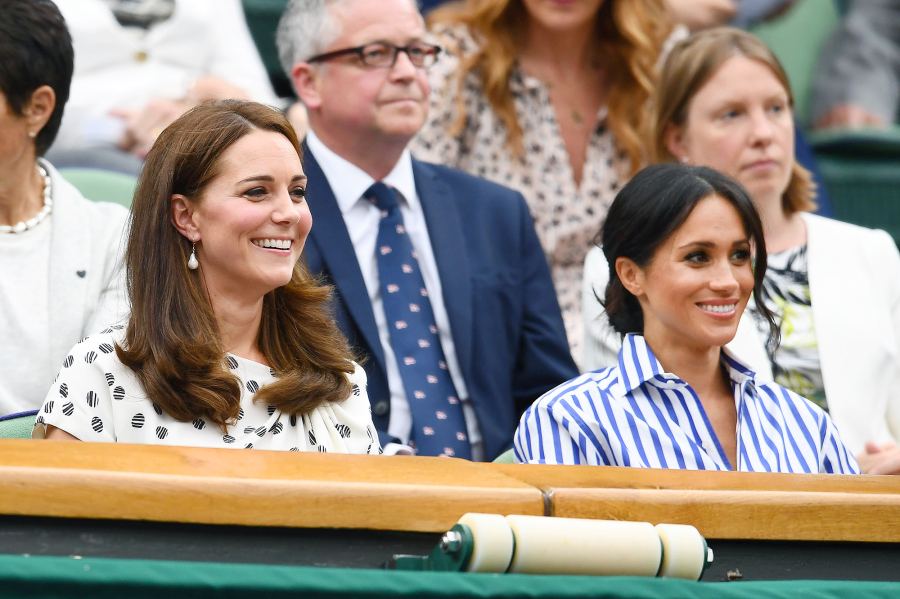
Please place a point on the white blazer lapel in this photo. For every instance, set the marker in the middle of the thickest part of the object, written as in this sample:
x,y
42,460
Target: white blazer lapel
x,y
69,264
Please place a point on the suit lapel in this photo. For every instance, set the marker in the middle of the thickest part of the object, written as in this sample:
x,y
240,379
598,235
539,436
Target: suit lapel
x,y
330,235
445,228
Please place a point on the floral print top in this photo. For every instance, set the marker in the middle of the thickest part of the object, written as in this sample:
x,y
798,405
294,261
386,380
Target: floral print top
x,y
567,216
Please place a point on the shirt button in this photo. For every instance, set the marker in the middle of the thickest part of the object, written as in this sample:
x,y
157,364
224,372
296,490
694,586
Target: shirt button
x,y
140,56
380,408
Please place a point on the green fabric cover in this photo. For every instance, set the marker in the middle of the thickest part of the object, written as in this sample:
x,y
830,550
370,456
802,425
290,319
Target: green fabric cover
x,y
24,576
17,428
262,18
102,186
864,191
870,143
507,457
796,39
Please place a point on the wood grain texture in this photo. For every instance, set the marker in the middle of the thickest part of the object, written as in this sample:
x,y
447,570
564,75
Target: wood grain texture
x,y
757,515
263,488
549,478
258,488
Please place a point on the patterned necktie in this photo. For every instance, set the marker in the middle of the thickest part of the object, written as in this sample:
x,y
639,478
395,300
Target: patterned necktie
x,y
438,422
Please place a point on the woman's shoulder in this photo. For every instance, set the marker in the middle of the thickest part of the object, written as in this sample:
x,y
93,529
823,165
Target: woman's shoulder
x,y
99,348
828,228
598,384
68,199
793,402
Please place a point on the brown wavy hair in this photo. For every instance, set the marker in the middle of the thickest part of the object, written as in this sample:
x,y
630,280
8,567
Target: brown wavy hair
x,y
630,35
690,64
172,341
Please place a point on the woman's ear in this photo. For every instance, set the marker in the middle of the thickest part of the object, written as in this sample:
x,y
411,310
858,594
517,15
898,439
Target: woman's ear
x,y
675,143
631,275
183,217
39,108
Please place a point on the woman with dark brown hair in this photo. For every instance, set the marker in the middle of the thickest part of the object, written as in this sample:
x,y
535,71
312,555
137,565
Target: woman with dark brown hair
x,y
551,99
725,102
229,342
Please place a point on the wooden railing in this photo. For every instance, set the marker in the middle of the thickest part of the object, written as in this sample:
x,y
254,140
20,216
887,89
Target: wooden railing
x,y
260,488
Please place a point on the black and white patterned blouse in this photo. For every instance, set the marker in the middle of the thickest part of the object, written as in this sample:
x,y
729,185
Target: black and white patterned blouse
x,y
97,398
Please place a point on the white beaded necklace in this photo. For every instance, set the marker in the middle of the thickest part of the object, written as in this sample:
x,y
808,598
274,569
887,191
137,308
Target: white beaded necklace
x,y
34,221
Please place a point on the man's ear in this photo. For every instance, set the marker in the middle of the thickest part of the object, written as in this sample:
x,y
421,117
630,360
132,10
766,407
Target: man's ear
x,y
675,142
306,78
631,275
183,217
39,108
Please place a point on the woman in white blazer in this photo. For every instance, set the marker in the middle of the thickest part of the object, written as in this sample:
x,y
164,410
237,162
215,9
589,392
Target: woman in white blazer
x,y
59,253
724,101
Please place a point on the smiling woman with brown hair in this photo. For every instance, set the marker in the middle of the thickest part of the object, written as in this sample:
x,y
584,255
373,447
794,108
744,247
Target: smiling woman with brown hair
x,y
229,342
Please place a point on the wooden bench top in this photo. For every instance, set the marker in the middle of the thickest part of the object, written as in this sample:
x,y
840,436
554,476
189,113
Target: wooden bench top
x,y
254,488
726,505
263,488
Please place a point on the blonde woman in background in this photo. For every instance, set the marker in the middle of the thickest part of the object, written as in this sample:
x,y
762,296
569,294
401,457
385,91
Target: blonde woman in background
x,y
551,99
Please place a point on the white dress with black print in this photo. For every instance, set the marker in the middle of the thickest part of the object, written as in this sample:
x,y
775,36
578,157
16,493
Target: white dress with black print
x,y
97,398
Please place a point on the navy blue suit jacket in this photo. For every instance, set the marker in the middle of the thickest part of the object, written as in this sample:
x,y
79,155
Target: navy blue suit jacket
x,y
503,312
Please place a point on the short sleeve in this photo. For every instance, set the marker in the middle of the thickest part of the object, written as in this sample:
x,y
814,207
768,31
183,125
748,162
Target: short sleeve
x,y
80,400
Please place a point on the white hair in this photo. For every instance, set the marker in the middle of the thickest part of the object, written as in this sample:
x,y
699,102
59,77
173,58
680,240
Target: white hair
x,y
306,28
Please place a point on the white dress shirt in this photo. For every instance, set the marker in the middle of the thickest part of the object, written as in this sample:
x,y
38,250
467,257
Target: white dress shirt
x,y
348,183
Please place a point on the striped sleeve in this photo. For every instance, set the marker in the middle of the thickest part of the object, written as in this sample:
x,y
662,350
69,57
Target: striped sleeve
x,y
562,428
835,457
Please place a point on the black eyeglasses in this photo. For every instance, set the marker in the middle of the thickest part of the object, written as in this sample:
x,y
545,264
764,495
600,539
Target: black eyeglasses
x,y
384,55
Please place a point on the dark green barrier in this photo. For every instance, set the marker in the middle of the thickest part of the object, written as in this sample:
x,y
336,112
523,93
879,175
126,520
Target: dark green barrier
x,y
23,576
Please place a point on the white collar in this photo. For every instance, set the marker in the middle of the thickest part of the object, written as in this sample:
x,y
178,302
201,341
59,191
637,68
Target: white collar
x,y
349,182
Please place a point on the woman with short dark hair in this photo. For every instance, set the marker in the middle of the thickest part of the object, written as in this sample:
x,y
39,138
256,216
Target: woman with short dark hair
x,y
685,252
230,342
59,253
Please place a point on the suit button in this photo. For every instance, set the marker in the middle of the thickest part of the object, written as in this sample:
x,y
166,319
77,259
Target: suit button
x,y
380,408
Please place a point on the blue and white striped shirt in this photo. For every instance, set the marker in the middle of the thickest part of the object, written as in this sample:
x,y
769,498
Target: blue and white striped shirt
x,y
635,414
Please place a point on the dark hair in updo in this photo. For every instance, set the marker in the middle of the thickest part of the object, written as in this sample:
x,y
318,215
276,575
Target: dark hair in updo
x,y
650,208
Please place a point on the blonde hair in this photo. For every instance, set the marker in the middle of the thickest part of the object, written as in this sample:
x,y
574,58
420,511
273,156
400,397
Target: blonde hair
x,y
630,35
692,62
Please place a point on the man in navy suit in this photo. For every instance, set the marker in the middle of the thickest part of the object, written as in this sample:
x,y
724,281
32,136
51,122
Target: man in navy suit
x,y
359,68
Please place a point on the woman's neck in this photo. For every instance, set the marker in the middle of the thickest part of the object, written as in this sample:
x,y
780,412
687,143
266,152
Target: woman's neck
x,y
239,320
782,231
699,367
21,191
564,54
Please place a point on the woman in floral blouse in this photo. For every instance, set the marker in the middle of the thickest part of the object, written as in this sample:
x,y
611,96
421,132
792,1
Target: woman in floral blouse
x,y
549,99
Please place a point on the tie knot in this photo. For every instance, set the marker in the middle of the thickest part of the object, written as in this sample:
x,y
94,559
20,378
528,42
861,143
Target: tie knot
x,y
383,196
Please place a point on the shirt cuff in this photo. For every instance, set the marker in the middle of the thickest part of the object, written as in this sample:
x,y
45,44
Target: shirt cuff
x,y
398,449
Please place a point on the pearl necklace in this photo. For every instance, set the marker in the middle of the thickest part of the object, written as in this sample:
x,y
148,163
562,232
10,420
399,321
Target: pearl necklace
x,y
34,221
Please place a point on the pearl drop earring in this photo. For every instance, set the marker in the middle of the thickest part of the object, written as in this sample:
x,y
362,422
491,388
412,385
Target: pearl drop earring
x,y
685,160
193,263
